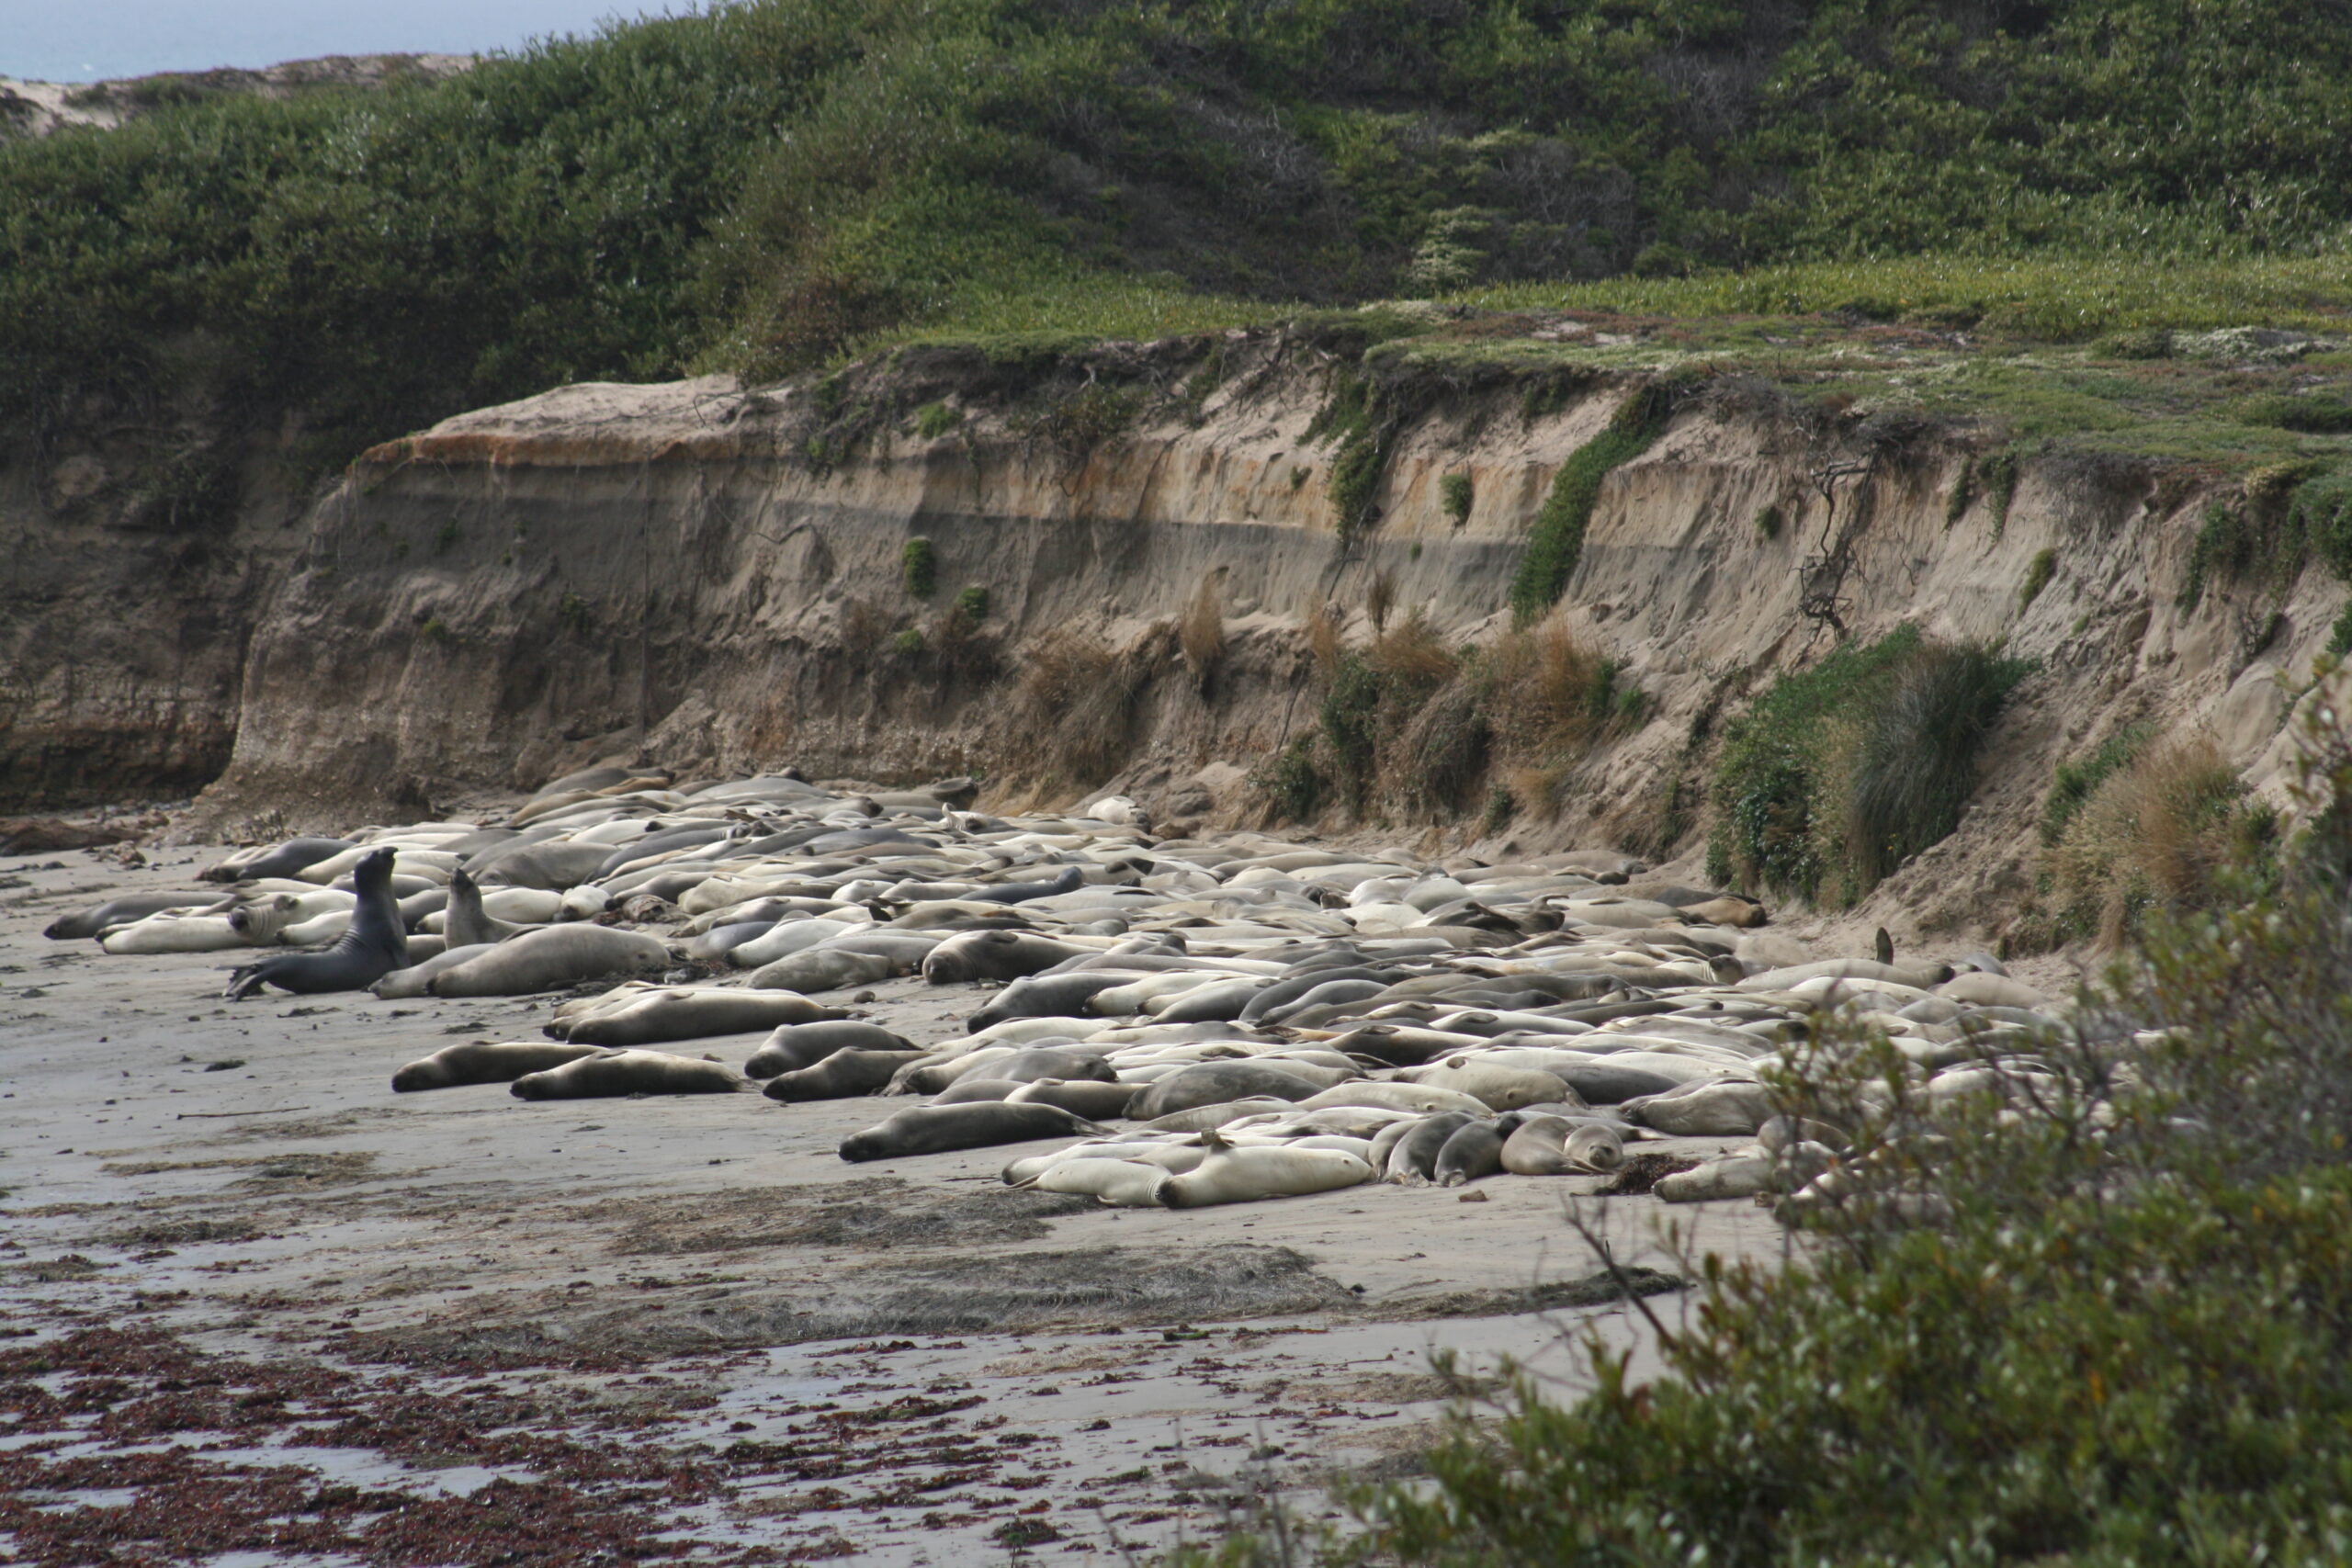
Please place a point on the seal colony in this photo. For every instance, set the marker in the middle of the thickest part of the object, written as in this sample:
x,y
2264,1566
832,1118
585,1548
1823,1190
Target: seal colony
x,y
1193,1021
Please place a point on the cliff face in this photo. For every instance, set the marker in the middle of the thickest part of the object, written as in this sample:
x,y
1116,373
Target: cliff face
x,y
125,610
717,579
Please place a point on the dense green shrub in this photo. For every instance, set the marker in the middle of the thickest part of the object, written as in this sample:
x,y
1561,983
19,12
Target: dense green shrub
x,y
763,185
1556,543
2321,512
2078,777
1838,773
1915,765
2037,574
918,567
1453,495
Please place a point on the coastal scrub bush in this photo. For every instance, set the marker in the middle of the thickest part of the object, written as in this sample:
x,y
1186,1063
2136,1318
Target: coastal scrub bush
x,y
2155,834
1836,773
1914,766
1453,495
973,604
918,567
2037,574
1557,542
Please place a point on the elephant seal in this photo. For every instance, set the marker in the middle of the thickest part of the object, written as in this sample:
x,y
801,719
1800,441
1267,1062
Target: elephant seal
x,y
277,860
1735,1176
417,980
939,1129
1027,1066
1245,1173
796,1045
1072,879
1050,996
1125,1183
1474,1152
657,1014
169,930
1604,1083
552,864
1502,1089
1413,1159
550,958
122,911
1214,1083
824,969
609,1074
1427,1098
482,1061
844,1074
964,1092
1220,1002
1556,1145
996,955
371,947
1095,1101
1720,1108
464,921
1297,987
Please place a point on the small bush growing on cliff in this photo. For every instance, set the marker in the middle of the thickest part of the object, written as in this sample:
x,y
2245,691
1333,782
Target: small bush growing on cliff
x,y
1557,542
2153,834
1453,494
1915,765
1838,773
2037,574
935,420
918,567
973,604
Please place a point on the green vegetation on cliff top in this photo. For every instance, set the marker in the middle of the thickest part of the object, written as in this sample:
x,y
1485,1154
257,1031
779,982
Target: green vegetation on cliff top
x,y
768,185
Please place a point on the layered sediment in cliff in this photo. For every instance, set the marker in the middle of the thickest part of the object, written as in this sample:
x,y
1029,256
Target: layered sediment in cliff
x,y
717,578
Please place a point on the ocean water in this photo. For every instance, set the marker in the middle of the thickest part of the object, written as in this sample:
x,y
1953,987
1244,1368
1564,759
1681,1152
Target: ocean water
x,y
89,40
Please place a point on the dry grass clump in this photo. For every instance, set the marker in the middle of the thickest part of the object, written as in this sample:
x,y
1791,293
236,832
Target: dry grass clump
x,y
1440,754
2155,834
1547,690
1200,631
1414,656
1322,633
1379,599
1081,695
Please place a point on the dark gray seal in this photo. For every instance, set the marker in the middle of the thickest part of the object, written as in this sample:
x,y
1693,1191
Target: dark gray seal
x,y
1474,1152
283,860
939,1129
996,955
1413,1159
1601,1084
1072,879
796,1045
122,911
1051,995
374,945
484,1061
843,1075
